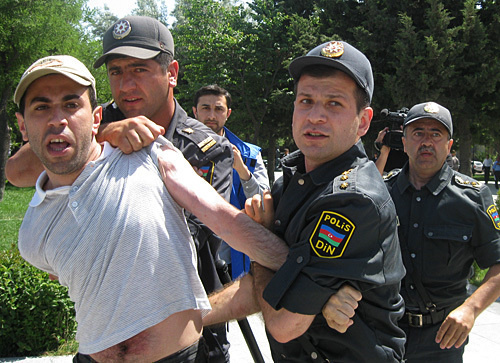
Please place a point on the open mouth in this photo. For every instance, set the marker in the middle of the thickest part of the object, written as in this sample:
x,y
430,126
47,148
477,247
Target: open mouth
x,y
131,100
57,145
314,135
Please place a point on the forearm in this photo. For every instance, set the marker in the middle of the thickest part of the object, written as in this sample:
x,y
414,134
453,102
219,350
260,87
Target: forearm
x,y
252,187
234,302
282,324
487,293
382,159
232,225
239,231
23,168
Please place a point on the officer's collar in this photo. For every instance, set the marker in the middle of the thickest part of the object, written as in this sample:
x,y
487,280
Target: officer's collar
x,y
179,116
327,171
438,182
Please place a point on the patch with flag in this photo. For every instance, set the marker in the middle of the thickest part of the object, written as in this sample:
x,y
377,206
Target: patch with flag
x,y
208,172
331,235
493,213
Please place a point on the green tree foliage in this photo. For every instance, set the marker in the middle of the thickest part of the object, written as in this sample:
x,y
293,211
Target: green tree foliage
x,y
247,51
100,21
441,50
153,9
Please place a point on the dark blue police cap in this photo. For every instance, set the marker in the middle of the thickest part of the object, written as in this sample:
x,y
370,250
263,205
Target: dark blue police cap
x,y
340,55
430,110
138,37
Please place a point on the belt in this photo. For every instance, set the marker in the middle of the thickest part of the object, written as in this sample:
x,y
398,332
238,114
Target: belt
x,y
417,319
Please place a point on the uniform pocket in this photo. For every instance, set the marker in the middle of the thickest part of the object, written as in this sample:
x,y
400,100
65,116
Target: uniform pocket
x,y
445,249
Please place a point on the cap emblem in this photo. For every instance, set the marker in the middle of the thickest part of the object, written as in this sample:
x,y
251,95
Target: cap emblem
x,y
333,50
45,63
431,107
121,29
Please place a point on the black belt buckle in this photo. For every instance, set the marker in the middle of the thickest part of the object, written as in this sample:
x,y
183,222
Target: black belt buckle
x,y
415,320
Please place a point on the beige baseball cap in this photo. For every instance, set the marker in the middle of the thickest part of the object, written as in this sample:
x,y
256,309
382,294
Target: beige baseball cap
x,y
60,64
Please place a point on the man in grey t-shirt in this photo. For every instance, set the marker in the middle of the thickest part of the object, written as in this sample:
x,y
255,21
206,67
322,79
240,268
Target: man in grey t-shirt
x,y
134,282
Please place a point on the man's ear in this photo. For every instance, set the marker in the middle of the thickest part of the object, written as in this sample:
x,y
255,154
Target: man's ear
x,y
97,117
195,113
173,69
450,144
22,126
365,117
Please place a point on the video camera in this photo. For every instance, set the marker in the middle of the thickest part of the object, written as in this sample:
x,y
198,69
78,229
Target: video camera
x,y
393,137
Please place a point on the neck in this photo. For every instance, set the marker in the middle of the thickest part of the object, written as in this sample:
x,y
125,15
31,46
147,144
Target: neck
x,y
165,115
419,180
59,180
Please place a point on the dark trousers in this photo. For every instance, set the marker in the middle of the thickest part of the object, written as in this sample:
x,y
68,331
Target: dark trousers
x,y
421,347
497,177
486,174
195,353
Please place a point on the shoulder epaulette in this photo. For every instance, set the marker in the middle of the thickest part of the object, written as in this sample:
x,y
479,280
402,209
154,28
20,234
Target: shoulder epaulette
x,y
467,183
392,174
204,141
343,181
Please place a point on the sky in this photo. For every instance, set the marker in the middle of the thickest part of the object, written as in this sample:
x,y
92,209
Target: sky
x,y
123,7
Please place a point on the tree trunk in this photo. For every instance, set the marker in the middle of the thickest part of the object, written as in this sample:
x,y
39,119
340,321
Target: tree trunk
x,y
4,139
271,160
465,147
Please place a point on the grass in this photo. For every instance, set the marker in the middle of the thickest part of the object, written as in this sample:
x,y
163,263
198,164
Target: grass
x,y
12,209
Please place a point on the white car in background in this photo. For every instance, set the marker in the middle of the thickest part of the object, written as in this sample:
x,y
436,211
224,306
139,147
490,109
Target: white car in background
x,y
477,167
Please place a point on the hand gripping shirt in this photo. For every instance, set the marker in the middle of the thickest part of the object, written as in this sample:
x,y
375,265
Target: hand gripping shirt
x,y
119,242
340,224
445,226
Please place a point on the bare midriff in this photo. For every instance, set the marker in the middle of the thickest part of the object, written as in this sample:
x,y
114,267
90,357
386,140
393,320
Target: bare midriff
x,y
175,333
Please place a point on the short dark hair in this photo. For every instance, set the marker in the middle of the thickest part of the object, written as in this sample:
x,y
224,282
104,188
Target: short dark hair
x,y
163,59
92,99
212,89
321,71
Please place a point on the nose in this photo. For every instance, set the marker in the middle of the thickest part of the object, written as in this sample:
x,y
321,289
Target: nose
x,y
316,114
58,117
427,139
127,82
211,114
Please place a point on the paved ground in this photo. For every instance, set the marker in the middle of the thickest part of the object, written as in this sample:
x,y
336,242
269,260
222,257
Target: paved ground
x,y
484,340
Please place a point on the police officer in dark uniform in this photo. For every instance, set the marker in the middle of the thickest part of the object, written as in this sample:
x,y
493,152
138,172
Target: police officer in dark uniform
x,y
333,218
138,52
334,225
336,216
447,220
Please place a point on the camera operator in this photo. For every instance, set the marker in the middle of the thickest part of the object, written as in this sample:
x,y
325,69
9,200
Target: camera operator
x,y
389,158
389,141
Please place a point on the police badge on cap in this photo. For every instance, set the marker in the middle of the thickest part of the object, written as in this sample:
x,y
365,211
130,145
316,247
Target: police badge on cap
x,y
333,50
121,29
431,107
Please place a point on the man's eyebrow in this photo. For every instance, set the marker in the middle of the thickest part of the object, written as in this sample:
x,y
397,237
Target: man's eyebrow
x,y
131,65
71,97
39,99
420,128
44,99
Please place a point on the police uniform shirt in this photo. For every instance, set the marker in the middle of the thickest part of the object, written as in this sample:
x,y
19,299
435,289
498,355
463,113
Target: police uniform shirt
x,y
446,225
340,224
